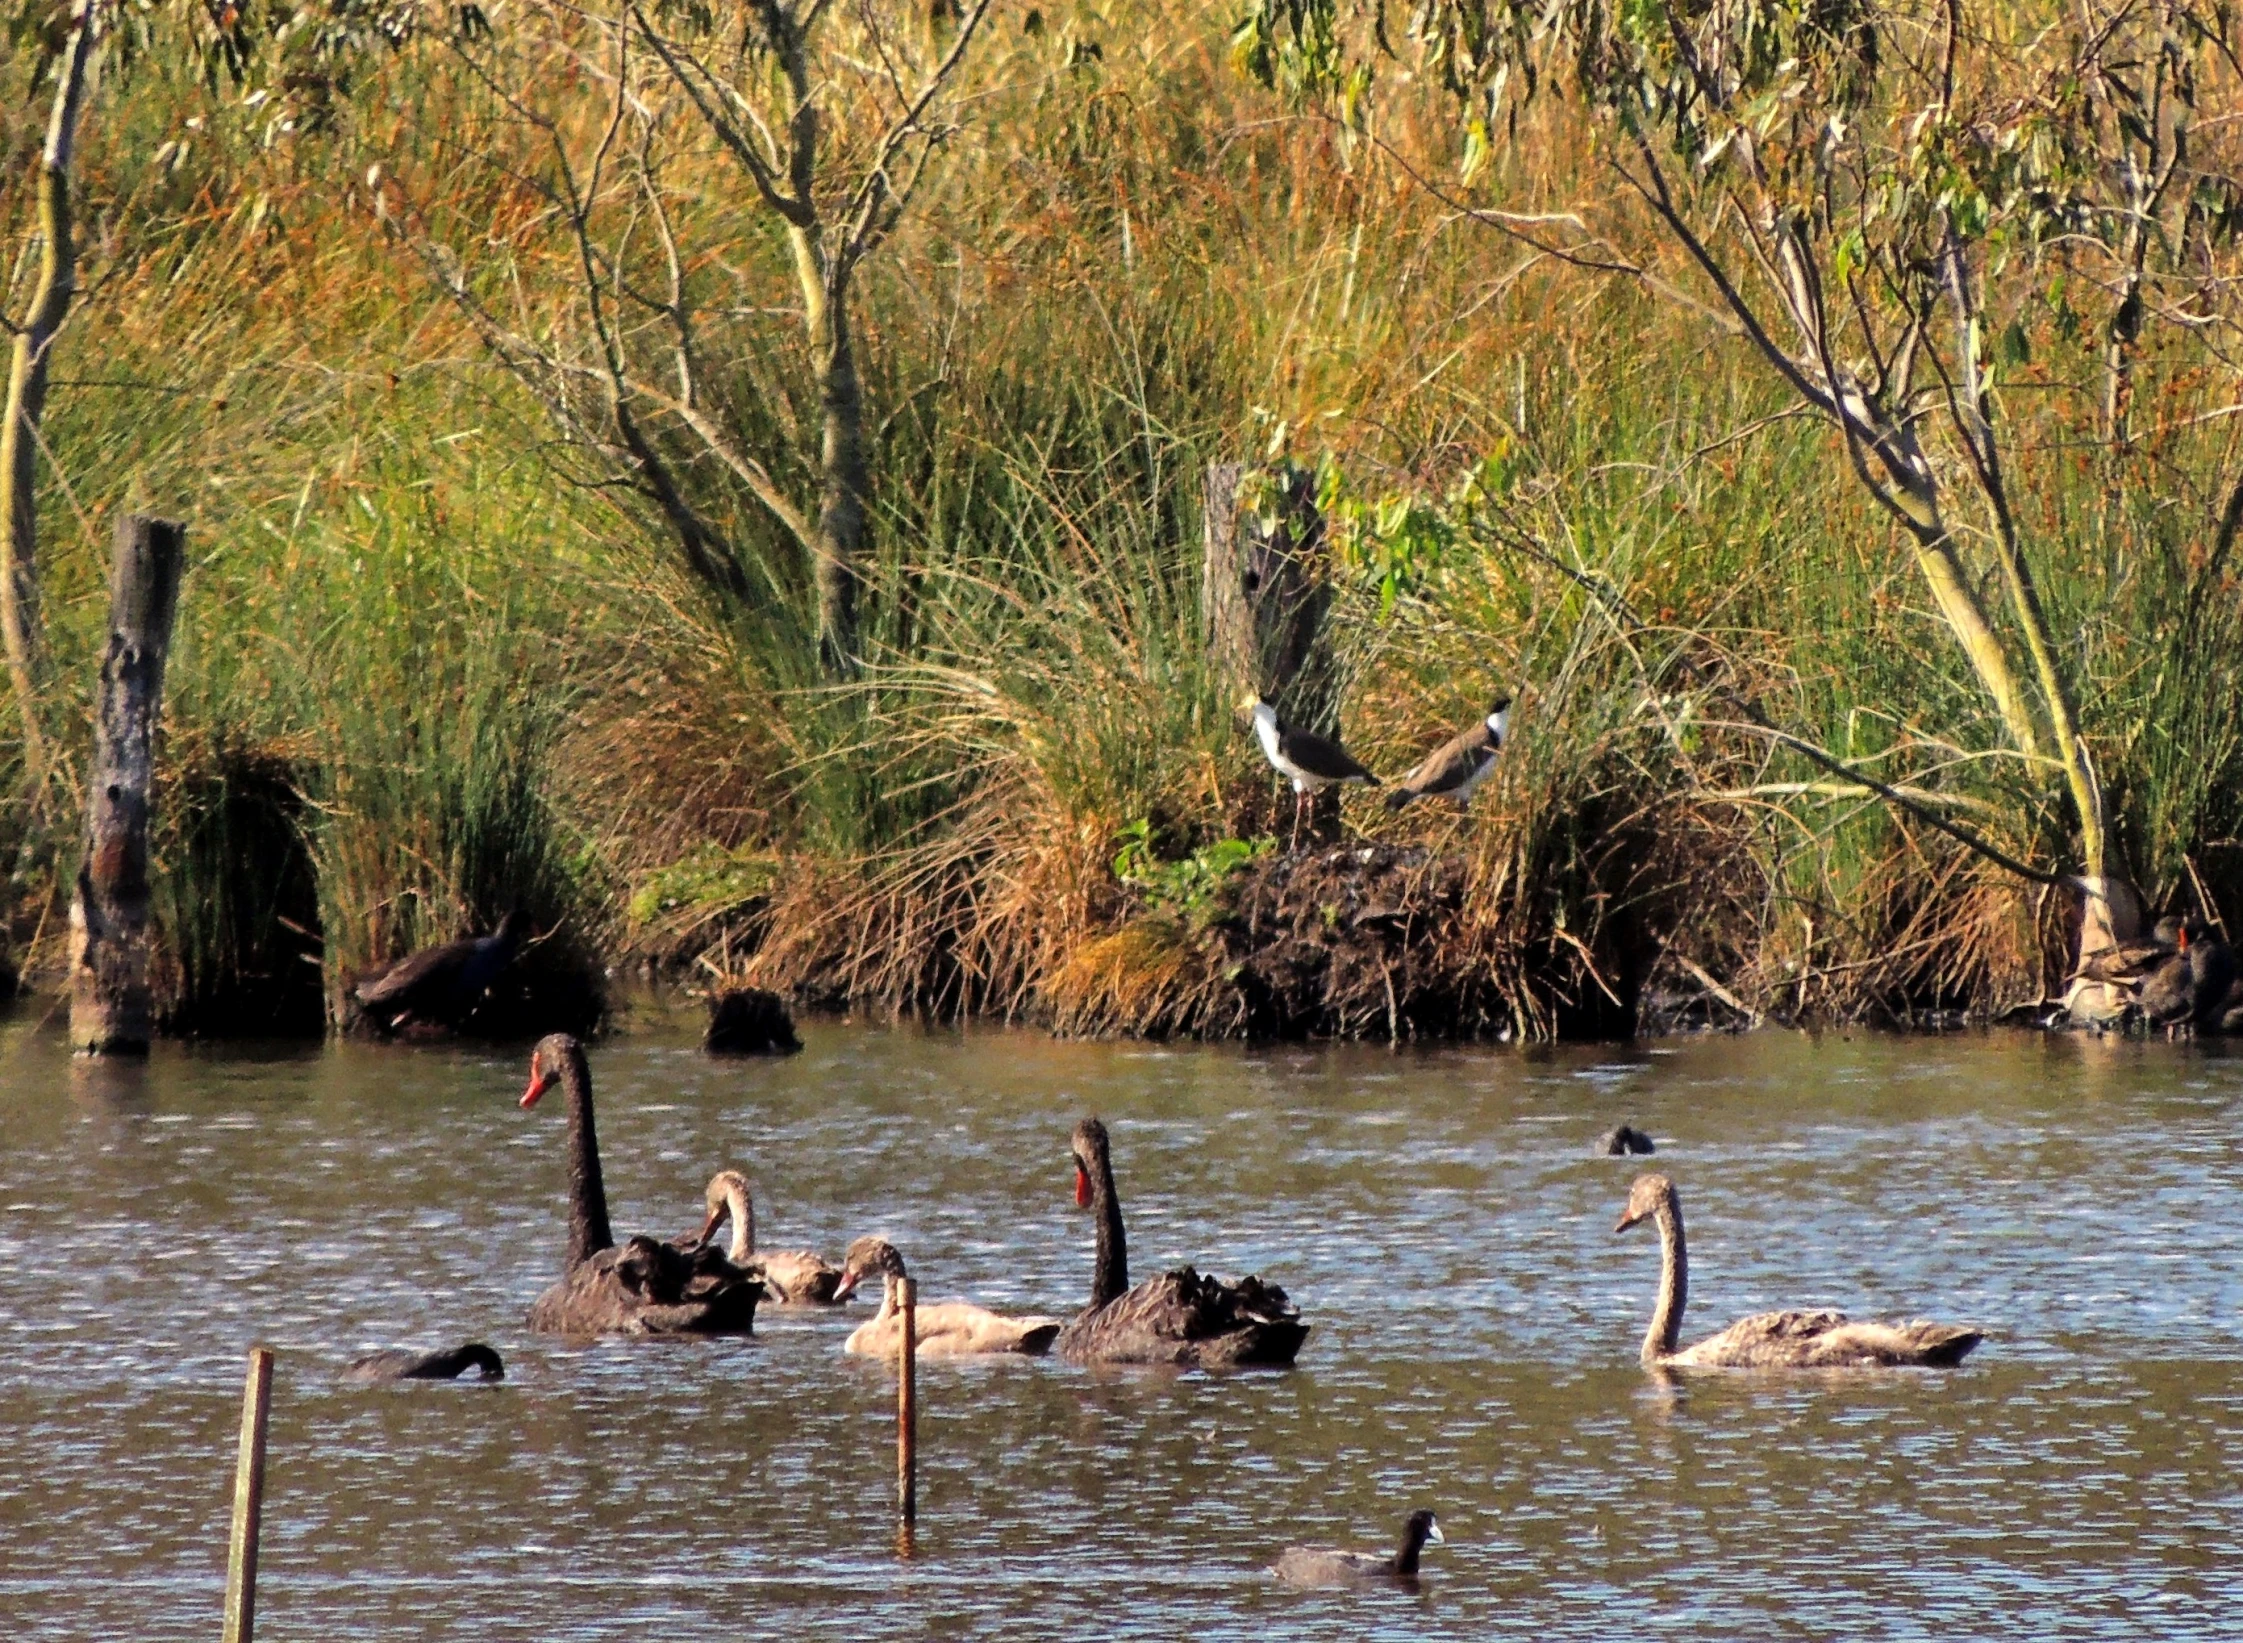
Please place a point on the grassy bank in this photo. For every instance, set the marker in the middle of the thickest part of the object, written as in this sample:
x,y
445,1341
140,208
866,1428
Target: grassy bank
x,y
434,664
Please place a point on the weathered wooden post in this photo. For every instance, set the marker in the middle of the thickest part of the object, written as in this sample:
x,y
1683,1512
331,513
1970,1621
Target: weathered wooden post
x,y
1265,592
907,1401
249,1500
112,1010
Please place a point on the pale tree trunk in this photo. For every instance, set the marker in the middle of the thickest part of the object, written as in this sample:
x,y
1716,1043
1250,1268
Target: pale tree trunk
x,y
27,386
843,480
112,1005
1265,594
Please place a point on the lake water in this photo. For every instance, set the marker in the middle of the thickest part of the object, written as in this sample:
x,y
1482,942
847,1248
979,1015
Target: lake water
x,y
1437,1215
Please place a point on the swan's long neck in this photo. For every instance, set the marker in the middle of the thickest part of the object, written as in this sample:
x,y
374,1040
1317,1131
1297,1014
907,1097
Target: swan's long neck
x,y
589,1232
889,1305
1674,1284
475,1356
741,1203
1109,1279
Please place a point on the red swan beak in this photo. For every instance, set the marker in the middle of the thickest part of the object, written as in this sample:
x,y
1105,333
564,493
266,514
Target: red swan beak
x,y
847,1287
1082,1188
542,1078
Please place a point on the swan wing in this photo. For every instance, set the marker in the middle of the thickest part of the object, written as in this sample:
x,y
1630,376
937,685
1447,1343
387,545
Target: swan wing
x,y
955,1329
797,1276
959,1328
1826,1340
646,1287
1183,1317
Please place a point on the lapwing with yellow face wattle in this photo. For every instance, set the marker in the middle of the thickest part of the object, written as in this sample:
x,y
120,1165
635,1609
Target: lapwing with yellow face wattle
x,y
1310,761
1458,765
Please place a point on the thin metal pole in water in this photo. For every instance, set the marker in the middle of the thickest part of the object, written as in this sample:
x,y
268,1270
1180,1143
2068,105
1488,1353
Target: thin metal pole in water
x,y
907,1401
249,1499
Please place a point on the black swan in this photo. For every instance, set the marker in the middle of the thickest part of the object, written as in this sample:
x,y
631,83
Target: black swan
x,y
793,1277
401,1363
441,986
646,1287
1771,1340
2190,987
942,1329
1329,1566
1621,1142
1178,1318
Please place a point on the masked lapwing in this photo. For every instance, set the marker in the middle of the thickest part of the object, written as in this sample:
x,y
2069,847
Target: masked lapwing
x,y
1458,765
1310,761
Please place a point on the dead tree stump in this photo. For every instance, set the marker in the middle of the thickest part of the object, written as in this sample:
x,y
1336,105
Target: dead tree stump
x,y
1265,592
112,1008
749,1021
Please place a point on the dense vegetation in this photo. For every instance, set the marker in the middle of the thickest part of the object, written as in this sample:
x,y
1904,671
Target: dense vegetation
x,y
457,636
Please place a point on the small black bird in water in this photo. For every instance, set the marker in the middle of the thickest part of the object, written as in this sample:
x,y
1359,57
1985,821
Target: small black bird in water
x,y
400,1363
1330,1566
1621,1142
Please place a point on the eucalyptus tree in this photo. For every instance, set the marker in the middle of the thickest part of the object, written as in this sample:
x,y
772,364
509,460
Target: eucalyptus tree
x,y
666,146
1878,198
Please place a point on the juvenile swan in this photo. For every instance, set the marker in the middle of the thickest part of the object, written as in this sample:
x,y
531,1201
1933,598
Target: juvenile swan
x,y
945,1329
791,1277
1770,1340
1328,1566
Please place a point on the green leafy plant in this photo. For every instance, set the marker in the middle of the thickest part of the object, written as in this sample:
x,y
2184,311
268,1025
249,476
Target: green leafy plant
x,y
1192,887
707,877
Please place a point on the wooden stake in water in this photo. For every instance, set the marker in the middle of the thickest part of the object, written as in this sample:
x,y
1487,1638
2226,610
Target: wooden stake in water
x,y
907,1401
249,1499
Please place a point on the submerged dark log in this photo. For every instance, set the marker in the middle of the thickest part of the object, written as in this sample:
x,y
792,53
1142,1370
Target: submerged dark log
x,y
749,1021
112,1004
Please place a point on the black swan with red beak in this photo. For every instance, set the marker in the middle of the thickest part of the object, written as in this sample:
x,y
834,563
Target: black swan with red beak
x,y
1179,1318
645,1287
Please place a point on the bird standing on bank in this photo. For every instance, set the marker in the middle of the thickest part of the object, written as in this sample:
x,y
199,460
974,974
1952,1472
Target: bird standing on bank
x,y
1311,762
1460,764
